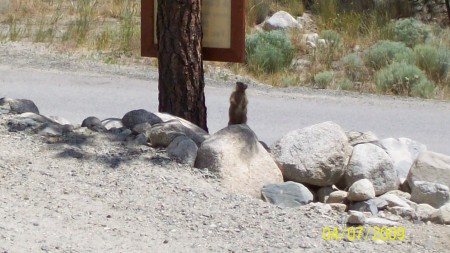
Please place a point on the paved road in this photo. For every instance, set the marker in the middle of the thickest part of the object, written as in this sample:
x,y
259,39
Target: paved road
x,y
74,95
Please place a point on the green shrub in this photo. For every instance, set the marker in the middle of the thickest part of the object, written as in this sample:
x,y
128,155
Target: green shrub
x,y
354,67
268,51
409,31
433,60
401,78
385,52
323,79
345,84
332,37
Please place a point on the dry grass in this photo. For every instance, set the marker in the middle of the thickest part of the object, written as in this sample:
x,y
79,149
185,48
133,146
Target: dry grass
x,y
109,26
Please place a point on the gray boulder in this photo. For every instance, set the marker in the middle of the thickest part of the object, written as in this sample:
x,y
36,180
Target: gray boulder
x,y
240,161
356,218
19,105
361,190
162,134
430,193
281,20
403,152
371,162
430,167
183,150
288,194
94,124
132,118
314,155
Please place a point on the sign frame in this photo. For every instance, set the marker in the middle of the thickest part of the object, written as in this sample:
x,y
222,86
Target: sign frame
x,y
236,52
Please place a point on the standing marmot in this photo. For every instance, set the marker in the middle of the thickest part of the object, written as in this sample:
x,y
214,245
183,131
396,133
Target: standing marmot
x,y
238,105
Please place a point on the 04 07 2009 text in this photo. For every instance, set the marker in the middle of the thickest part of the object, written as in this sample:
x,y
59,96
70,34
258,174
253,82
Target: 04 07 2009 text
x,y
361,233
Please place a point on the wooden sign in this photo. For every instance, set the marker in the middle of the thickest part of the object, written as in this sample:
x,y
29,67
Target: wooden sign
x,y
223,23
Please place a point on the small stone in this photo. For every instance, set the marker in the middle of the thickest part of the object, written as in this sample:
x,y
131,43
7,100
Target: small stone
x,y
361,190
337,197
356,218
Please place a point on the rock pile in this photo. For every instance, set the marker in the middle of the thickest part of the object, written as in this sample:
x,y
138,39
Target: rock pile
x,y
376,181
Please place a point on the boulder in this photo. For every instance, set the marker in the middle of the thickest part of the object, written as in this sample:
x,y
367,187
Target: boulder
x,y
338,207
355,138
399,193
19,105
403,152
194,130
94,124
442,215
430,167
430,193
356,218
337,197
183,150
361,190
372,162
162,134
132,118
288,194
315,155
281,20
240,161
394,200
424,212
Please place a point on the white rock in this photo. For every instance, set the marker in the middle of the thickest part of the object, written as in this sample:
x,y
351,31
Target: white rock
x,y
430,193
314,155
240,161
361,190
372,162
403,152
430,167
442,215
424,212
281,20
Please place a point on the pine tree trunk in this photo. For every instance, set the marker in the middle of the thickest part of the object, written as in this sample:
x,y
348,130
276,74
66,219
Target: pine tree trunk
x,y
180,64
447,5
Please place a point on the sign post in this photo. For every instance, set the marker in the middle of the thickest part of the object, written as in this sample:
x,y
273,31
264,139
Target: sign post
x,y
223,23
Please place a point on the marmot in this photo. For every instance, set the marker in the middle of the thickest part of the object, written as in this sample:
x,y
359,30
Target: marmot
x,y
238,105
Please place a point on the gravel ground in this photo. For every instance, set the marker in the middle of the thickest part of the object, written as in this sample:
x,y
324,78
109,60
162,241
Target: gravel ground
x,y
91,193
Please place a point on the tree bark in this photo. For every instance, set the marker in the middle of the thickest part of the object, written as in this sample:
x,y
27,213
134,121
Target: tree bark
x,y
180,65
447,5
